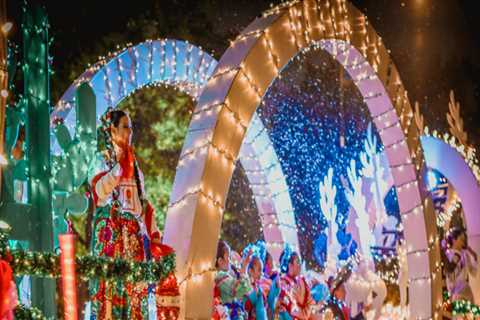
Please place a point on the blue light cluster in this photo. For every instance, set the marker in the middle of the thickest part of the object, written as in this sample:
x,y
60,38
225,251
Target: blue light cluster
x,y
316,119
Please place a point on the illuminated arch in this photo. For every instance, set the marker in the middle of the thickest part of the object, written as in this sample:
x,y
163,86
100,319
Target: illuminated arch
x,y
444,158
169,62
187,68
224,112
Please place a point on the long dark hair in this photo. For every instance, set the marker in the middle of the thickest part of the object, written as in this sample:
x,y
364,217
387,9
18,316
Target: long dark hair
x,y
113,117
222,248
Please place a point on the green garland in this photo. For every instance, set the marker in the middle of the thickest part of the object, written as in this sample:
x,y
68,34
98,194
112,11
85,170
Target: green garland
x,y
25,313
47,264
461,307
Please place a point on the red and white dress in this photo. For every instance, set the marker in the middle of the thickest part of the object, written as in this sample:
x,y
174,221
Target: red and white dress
x,y
295,297
121,226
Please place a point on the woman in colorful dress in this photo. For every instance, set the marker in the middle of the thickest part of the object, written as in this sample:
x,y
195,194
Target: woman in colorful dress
x,y
230,288
124,225
255,302
270,279
336,304
260,302
295,300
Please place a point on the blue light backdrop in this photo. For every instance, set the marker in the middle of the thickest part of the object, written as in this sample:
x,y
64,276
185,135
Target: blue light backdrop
x,y
307,112
316,119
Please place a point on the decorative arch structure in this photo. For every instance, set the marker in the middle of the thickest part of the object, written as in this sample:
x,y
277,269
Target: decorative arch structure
x,y
226,108
267,181
444,158
169,62
187,68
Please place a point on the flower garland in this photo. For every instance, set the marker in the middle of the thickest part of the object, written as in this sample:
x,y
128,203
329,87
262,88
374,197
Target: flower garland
x,y
105,137
47,264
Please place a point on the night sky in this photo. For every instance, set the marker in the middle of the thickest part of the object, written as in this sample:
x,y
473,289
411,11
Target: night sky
x,y
433,43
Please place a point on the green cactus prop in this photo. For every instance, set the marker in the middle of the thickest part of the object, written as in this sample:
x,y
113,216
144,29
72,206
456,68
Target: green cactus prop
x,y
54,183
36,72
71,168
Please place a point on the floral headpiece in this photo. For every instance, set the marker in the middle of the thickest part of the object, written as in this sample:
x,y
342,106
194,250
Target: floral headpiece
x,y
285,257
105,136
262,250
255,251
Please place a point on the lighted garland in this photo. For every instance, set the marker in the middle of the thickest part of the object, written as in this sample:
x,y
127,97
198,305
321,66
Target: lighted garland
x,y
46,264
23,312
460,307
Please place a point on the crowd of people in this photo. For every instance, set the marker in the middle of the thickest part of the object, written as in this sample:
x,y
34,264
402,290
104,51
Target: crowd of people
x,y
250,287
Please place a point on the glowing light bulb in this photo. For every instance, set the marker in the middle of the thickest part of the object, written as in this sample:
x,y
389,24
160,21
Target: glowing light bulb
x,y
6,27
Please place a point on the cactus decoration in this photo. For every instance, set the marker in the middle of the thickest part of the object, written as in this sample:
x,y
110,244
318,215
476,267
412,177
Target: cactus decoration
x,y
72,166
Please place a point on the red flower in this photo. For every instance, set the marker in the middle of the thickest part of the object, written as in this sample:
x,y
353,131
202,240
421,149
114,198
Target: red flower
x,y
105,234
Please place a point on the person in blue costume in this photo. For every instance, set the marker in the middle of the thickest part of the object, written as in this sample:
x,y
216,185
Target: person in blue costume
x,y
270,280
260,302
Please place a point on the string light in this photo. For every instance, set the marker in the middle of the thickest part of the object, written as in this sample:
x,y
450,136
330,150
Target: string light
x,y
467,152
6,27
67,263
294,16
23,312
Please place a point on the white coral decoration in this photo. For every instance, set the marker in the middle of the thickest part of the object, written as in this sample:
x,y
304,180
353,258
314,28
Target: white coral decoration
x,y
328,192
455,120
391,312
372,169
357,200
